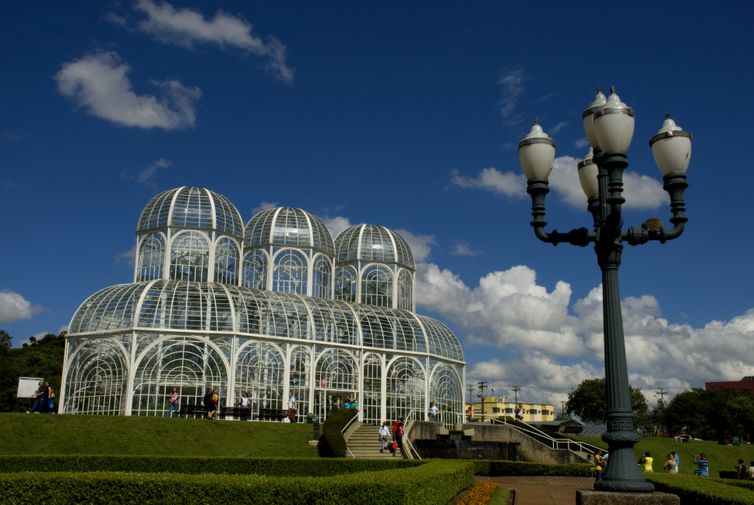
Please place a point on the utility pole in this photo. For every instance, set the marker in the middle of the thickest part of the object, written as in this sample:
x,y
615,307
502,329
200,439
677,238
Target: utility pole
x,y
515,390
562,409
661,393
482,385
471,397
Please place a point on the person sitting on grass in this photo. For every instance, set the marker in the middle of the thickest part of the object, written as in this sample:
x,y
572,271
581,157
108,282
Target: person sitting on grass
x,y
646,462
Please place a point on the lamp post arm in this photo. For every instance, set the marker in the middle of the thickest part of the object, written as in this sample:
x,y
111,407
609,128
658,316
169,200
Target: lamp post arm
x,y
578,236
652,228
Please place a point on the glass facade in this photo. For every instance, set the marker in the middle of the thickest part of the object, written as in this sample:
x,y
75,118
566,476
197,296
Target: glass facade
x,y
272,310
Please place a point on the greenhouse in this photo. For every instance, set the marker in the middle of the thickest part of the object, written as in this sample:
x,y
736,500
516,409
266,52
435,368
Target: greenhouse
x,y
274,309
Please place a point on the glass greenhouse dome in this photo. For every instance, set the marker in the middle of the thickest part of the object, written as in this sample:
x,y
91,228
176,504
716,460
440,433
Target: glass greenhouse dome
x,y
192,320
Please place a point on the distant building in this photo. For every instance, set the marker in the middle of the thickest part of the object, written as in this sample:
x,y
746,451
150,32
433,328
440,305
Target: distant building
x,y
495,406
745,384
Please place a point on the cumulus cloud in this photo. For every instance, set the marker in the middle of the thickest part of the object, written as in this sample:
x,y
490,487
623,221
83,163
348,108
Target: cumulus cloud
x,y
337,224
552,343
508,184
462,248
264,206
147,174
14,307
99,83
421,245
188,27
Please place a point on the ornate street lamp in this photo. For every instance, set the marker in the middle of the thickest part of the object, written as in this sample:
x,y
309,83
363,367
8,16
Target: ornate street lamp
x,y
609,126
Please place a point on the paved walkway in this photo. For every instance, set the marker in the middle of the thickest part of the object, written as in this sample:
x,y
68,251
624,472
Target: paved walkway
x,y
543,490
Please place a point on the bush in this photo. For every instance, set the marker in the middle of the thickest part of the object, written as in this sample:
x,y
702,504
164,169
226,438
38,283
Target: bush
x,y
694,490
183,464
331,443
516,468
432,482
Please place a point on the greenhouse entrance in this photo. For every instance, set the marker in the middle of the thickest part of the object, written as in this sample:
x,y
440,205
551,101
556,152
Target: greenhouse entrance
x,y
327,401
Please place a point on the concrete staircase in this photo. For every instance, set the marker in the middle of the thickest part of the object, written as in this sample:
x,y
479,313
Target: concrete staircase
x,y
364,443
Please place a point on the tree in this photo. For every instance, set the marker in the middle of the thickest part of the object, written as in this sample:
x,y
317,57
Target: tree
x,y
39,358
589,402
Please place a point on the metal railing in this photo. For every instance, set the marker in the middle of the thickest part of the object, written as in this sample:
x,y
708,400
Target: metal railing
x,y
345,428
406,441
557,444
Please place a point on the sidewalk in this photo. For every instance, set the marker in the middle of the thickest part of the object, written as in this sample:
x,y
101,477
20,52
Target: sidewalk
x,y
543,490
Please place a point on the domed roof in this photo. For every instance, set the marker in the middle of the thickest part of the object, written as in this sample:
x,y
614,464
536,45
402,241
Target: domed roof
x,y
287,226
191,207
369,242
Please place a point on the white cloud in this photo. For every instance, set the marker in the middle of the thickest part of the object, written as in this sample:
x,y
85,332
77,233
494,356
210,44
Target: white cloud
x,y
99,83
462,248
552,344
337,224
14,307
555,129
421,245
146,175
508,184
511,84
264,206
640,191
581,143
187,27
127,257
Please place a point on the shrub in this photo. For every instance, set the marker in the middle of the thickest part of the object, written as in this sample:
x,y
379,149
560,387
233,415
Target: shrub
x,y
331,443
183,464
695,490
432,482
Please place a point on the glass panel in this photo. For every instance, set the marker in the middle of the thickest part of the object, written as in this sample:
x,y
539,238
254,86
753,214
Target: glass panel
x,y
299,379
189,257
322,277
447,395
405,291
226,261
97,377
260,373
372,389
151,257
405,389
290,272
377,286
345,284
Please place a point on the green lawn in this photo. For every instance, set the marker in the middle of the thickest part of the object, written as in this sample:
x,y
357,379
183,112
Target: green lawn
x,y
721,457
68,434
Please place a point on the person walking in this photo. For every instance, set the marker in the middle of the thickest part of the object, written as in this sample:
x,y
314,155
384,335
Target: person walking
x,y
599,465
384,437
174,398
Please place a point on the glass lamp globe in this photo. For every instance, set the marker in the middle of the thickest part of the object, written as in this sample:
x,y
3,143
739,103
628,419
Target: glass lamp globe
x,y
614,125
588,117
588,176
536,153
671,148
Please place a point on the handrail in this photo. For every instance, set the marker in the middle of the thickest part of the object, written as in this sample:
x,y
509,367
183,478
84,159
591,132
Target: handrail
x,y
406,439
345,428
547,440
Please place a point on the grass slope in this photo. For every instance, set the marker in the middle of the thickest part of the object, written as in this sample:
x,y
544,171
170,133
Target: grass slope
x,y
33,434
721,457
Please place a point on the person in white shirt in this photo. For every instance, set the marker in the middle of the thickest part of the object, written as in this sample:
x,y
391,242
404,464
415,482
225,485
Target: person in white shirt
x,y
384,436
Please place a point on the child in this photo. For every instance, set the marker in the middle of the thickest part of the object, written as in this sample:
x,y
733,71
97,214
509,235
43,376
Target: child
x,y
741,473
702,465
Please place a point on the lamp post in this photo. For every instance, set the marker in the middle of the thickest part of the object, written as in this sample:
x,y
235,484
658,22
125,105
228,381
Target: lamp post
x,y
609,126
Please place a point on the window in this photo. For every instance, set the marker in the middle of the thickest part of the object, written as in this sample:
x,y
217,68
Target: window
x,y
289,273
255,269
377,286
322,278
151,257
405,291
189,258
345,284
226,261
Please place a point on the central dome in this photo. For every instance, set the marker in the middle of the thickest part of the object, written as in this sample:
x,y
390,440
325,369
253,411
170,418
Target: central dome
x,y
369,242
288,226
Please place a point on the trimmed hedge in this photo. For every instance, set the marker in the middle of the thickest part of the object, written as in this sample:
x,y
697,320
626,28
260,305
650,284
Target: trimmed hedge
x,y
519,468
433,482
311,467
331,443
694,490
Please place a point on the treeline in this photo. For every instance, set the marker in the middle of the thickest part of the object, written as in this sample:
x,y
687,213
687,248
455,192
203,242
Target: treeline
x,y
38,358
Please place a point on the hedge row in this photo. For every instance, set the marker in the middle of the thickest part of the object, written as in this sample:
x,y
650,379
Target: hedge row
x,y
516,468
311,467
694,490
435,482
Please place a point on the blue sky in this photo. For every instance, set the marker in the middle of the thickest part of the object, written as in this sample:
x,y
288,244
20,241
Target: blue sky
x,y
401,114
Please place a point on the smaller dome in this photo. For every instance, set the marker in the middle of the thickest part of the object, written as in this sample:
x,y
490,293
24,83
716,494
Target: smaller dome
x,y
191,207
287,226
369,242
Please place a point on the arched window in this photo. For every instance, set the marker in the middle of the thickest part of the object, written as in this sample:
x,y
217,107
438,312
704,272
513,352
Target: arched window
x,y
189,257
189,364
289,272
405,389
151,257
299,379
255,269
345,284
226,261
335,380
372,389
405,291
377,286
96,378
322,278
260,373
446,393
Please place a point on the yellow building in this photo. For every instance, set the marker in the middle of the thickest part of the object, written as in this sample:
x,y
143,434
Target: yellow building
x,y
495,406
